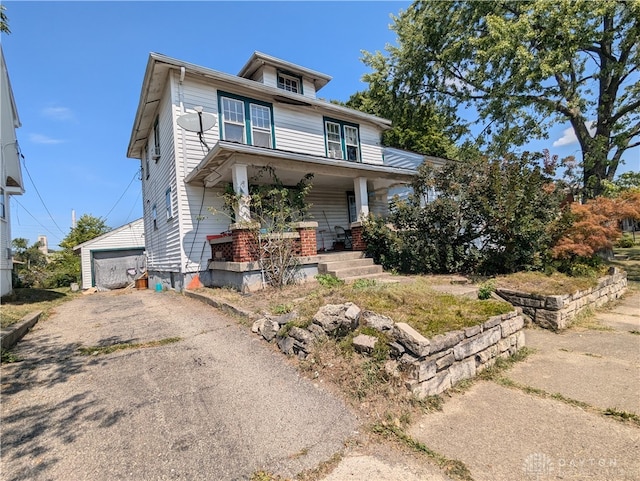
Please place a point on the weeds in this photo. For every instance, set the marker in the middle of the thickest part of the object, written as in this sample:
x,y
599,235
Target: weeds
x,y
486,289
329,280
97,350
8,356
452,467
622,415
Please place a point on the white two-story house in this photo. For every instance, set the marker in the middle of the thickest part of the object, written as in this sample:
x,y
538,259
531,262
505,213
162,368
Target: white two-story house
x,y
10,173
197,130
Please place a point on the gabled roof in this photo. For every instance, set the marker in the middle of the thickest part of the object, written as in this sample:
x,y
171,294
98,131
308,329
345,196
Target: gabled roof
x,y
114,232
155,78
258,59
14,108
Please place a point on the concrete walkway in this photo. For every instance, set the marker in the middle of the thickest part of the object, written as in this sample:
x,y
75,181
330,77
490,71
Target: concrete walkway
x,y
546,421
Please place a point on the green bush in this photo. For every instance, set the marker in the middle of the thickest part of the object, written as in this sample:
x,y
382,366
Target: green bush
x,y
328,280
625,242
486,289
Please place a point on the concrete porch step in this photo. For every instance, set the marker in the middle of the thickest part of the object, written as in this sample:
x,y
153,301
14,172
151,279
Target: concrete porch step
x,y
356,271
336,265
340,256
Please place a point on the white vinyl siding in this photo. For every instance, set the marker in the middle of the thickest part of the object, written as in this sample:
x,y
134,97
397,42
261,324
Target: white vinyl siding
x,y
163,244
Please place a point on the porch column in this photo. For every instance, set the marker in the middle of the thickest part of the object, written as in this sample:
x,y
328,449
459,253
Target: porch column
x,y
362,197
241,187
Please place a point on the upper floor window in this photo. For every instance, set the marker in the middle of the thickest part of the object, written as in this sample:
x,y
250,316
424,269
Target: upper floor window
x,y
3,208
246,121
154,216
146,162
156,139
167,196
290,83
342,140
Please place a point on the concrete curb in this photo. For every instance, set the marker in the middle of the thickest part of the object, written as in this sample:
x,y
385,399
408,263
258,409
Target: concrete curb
x,y
221,305
12,334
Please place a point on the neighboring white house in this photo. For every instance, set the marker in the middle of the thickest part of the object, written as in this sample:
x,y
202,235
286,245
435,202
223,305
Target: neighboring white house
x,y
10,172
267,115
115,259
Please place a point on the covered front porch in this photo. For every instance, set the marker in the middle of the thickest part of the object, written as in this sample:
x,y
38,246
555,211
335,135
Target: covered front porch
x,y
343,194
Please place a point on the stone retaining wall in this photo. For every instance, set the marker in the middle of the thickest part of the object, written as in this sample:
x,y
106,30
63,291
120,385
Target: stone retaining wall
x,y
557,312
431,365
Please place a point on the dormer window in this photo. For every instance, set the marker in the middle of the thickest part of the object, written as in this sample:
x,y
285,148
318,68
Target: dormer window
x,y
290,83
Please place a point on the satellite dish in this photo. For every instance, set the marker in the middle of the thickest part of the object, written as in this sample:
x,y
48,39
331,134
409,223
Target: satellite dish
x,y
197,121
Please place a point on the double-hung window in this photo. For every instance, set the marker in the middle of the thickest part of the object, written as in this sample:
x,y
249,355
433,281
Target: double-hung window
x,y
233,124
246,121
261,125
154,216
167,200
156,139
334,140
342,140
3,207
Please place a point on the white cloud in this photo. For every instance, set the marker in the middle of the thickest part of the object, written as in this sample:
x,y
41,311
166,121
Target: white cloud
x,y
43,139
569,135
58,113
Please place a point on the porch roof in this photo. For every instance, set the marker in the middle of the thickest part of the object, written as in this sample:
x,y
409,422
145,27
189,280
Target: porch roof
x,y
215,166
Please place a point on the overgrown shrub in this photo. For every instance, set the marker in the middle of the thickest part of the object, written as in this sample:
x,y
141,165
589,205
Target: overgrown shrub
x,y
625,242
490,216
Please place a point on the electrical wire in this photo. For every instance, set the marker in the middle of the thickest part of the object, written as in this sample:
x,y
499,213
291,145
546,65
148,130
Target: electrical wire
x,y
33,217
40,197
135,176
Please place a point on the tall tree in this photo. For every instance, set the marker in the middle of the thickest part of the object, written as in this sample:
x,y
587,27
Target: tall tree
x,y
4,21
525,64
418,124
88,227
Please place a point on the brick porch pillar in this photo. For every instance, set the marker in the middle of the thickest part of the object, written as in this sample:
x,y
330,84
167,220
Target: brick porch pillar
x,y
357,242
243,244
308,242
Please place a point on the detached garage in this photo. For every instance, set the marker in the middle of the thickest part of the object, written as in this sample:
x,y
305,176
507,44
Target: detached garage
x,y
115,259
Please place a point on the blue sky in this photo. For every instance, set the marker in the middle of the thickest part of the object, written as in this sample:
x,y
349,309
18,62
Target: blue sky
x,y
76,69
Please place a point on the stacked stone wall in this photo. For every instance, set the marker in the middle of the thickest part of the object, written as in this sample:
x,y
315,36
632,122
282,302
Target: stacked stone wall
x,y
557,312
431,366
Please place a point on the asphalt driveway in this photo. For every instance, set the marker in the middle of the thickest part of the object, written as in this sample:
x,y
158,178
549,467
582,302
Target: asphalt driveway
x,y
219,404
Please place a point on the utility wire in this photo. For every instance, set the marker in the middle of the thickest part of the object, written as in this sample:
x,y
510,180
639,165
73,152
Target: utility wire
x,y
40,197
32,216
135,176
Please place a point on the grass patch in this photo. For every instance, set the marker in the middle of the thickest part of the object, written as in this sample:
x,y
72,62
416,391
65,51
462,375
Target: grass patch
x,y
453,468
7,356
586,319
23,301
265,476
428,311
542,284
97,350
494,373
622,415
